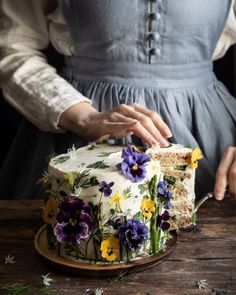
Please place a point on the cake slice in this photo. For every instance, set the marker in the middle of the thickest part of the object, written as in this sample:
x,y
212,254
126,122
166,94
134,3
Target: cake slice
x,y
178,164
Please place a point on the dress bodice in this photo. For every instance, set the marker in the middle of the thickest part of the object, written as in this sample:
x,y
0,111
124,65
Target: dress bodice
x,y
146,31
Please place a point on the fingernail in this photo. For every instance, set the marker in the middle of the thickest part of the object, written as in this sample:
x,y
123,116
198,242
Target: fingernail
x,y
168,134
164,143
219,196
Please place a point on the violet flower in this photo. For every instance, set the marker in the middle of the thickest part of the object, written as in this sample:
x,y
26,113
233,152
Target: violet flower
x,y
75,221
106,188
133,233
162,220
134,164
115,223
164,194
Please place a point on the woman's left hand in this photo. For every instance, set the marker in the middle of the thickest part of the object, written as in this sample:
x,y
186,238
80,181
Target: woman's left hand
x,y
226,174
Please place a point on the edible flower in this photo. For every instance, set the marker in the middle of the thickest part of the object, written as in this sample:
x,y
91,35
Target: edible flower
x,y
69,178
116,199
50,211
162,220
106,188
164,194
147,207
110,248
134,164
133,233
75,221
194,157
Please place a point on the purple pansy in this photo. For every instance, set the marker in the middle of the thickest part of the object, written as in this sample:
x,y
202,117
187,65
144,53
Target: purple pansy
x,y
115,223
164,194
162,220
133,233
74,221
134,164
106,188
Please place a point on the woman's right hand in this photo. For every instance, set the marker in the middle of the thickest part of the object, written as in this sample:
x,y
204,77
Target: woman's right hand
x,y
123,120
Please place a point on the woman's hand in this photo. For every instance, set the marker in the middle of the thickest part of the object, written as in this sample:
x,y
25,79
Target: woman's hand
x,y
226,174
123,120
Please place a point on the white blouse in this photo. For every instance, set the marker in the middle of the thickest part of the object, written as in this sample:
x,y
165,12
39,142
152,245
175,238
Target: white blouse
x,y
28,82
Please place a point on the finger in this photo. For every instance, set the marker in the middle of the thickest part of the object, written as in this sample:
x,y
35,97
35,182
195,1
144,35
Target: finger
x,y
222,174
157,120
232,178
121,134
145,122
143,133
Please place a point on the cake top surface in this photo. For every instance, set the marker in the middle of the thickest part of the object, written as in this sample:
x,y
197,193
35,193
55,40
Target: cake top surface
x,y
172,148
101,156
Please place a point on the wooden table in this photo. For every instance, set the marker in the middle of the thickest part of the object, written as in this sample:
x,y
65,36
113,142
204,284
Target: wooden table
x,y
208,254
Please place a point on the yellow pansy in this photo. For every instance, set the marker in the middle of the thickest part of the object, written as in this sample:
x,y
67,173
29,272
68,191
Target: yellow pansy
x,y
194,157
70,178
50,211
148,207
110,248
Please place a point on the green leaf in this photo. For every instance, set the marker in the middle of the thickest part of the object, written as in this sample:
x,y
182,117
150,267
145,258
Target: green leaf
x,y
98,165
105,154
60,159
92,147
93,181
188,146
181,167
112,211
170,179
142,187
137,215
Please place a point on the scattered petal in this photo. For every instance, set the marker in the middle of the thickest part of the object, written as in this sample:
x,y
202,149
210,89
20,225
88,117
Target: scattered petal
x,y
9,259
47,280
99,291
202,284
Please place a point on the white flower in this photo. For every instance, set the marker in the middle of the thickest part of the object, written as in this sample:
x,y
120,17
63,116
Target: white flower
x,y
46,280
9,259
202,284
72,152
99,291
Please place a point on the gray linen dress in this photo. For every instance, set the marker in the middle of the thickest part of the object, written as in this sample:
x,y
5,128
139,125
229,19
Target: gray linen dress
x,y
157,53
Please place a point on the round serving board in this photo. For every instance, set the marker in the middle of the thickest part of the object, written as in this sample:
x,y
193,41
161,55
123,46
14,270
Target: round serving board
x,y
92,270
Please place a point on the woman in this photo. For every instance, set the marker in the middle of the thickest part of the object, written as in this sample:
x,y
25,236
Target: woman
x,y
146,67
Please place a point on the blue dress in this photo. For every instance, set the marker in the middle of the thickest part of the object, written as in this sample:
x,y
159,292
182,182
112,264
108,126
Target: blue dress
x,y
157,53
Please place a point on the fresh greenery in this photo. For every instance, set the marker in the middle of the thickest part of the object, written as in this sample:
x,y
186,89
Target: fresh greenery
x,y
181,167
98,165
170,179
60,159
49,157
92,147
121,277
85,183
105,154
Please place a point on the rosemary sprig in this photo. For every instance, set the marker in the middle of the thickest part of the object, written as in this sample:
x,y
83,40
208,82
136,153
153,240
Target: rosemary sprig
x,y
18,289
98,165
121,277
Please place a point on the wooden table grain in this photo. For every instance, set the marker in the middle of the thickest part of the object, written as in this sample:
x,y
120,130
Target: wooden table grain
x,y
207,252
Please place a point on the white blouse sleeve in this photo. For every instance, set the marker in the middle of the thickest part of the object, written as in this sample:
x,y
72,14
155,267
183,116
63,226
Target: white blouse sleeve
x,y
28,82
228,36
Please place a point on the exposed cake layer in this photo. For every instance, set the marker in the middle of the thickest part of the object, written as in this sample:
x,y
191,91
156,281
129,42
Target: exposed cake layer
x,y
175,166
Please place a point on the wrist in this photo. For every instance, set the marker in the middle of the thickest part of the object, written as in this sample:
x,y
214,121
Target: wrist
x,y
76,118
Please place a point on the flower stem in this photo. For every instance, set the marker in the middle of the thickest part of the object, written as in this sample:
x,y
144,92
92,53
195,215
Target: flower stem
x,y
153,226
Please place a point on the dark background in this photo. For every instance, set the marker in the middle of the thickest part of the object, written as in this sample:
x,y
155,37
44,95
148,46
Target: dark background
x,y
10,119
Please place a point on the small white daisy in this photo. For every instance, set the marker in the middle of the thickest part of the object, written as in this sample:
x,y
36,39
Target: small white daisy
x,y
47,280
202,284
99,291
9,259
